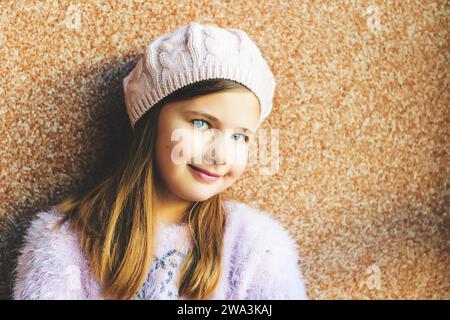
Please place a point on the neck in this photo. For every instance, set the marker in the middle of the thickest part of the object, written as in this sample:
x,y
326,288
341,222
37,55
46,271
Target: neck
x,y
169,208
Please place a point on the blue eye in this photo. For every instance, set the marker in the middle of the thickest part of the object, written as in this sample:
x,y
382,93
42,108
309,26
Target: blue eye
x,y
203,124
245,138
198,123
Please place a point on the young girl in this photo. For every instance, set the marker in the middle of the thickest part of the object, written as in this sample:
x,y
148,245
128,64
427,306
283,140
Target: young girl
x,y
159,227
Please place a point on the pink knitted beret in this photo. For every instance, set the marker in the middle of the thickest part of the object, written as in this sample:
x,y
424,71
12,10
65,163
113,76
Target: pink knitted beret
x,y
194,53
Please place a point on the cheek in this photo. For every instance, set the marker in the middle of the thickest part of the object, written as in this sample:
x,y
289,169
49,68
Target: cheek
x,y
238,160
175,148
237,170
161,156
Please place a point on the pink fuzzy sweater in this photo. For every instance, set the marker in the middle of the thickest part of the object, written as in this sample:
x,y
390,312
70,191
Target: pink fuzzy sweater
x,y
260,261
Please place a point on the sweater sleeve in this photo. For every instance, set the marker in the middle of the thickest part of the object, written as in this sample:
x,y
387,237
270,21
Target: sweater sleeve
x,y
47,265
275,273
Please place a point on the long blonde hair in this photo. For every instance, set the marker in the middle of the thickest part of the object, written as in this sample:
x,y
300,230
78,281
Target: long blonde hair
x,y
116,223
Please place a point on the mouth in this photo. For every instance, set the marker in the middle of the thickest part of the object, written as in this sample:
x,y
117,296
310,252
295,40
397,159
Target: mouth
x,y
204,175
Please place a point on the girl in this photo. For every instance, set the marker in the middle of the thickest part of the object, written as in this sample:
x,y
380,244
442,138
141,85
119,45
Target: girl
x,y
159,227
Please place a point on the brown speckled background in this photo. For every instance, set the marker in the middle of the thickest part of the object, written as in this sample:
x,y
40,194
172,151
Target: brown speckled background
x,y
362,108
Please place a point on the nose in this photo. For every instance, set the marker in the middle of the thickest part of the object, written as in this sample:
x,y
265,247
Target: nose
x,y
216,151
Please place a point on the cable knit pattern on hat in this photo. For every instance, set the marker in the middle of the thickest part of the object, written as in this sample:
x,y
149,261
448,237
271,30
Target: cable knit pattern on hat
x,y
260,261
194,53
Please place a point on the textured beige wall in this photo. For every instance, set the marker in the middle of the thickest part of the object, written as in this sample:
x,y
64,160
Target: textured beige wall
x,y
362,108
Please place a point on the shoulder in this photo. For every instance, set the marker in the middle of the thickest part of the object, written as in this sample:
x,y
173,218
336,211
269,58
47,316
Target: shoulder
x,y
257,226
49,259
43,233
264,255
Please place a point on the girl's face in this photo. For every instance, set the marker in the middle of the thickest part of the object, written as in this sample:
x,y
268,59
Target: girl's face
x,y
189,141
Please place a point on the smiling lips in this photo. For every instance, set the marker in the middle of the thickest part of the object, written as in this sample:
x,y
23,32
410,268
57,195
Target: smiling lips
x,y
204,175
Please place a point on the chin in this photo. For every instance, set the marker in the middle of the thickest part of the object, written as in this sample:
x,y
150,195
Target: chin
x,y
198,196
196,192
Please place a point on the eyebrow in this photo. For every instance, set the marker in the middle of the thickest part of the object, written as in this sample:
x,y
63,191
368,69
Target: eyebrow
x,y
212,118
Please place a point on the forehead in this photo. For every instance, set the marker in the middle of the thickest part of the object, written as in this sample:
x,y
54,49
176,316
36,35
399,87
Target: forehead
x,y
231,108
